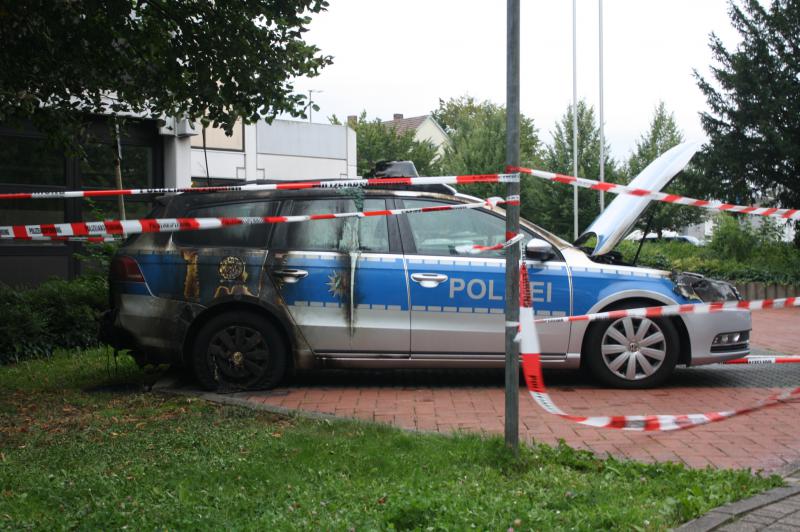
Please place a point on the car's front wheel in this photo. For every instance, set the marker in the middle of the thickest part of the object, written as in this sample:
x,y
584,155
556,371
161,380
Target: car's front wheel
x,y
238,350
632,352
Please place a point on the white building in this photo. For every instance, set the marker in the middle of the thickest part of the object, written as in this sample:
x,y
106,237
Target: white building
x,y
285,149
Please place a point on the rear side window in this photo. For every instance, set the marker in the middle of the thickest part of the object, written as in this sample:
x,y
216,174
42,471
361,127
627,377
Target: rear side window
x,y
245,236
343,234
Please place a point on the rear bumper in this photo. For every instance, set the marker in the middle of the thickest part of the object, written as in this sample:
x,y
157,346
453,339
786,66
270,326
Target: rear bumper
x,y
152,328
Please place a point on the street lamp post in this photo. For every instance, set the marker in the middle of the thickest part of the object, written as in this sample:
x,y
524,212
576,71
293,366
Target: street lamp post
x,y
310,103
512,226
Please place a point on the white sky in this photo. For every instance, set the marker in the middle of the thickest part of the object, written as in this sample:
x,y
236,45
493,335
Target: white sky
x,y
394,56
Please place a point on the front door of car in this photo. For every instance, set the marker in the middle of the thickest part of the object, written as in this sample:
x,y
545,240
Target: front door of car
x,y
457,301
342,280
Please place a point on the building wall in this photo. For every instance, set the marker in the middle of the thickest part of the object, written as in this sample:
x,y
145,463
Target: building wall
x,y
283,150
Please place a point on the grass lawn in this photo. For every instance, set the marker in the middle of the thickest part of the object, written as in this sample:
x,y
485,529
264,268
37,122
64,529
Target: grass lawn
x,y
82,448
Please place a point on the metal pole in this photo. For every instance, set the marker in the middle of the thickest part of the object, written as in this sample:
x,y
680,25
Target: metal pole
x,y
118,170
602,135
574,117
512,226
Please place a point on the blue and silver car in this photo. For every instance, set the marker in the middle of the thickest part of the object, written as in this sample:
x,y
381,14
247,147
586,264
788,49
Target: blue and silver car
x,y
243,305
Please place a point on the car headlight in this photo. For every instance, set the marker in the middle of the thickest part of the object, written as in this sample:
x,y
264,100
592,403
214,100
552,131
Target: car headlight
x,y
698,287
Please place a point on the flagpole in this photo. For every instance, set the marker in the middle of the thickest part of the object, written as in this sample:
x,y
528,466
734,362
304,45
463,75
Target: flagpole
x,y
602,135
574,117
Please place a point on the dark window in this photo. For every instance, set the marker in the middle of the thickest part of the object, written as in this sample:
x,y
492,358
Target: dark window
x,y
438,233
245,236
31,161
97,168
343,234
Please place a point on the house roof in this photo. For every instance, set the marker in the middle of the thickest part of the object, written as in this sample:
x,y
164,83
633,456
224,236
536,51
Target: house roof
x,y
406,124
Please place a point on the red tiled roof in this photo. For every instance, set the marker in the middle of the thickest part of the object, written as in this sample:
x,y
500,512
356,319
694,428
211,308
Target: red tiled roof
x,y
406,124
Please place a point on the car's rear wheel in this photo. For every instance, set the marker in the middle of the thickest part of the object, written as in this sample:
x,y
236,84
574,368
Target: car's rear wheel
x,y
632,352
238,350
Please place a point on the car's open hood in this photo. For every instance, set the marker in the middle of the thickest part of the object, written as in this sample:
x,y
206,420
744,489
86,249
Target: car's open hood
x,y
617,220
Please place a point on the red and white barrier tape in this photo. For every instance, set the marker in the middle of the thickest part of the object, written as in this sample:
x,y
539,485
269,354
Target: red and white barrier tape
x,y
171,225
790,214
475,249
674,310
288,185
532,370
91,239
764,359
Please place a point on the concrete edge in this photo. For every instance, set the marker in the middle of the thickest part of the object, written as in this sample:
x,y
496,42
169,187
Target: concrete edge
x,y
240,399
730,512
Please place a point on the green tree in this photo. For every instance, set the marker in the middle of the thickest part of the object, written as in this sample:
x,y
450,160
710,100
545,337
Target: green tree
x,y
213,61
477,132
662,135
554,200
379,142
754,133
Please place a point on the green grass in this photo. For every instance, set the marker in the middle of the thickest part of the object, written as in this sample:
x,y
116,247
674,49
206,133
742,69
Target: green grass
x,y
72,458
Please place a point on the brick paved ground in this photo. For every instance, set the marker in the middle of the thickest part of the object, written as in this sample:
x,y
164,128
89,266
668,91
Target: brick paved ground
x,y
778,330
444,401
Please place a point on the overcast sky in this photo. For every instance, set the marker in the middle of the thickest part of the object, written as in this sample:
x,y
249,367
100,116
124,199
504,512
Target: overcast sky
x,y
393,56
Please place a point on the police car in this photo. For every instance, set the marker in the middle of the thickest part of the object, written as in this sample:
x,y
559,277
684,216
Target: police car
x,y
244,305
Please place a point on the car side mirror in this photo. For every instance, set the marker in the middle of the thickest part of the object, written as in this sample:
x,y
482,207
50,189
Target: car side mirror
x,y
539,250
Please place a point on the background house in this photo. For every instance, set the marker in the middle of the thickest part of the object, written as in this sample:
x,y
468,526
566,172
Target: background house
x,y
425,128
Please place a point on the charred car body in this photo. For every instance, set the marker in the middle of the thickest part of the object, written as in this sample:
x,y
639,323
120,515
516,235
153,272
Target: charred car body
x,y
243,305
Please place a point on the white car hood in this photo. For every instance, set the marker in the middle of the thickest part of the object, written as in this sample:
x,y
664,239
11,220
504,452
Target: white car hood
x,y
621,214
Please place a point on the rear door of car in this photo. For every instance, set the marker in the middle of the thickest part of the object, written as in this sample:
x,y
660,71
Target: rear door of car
x,y
343,280
209,266
457,301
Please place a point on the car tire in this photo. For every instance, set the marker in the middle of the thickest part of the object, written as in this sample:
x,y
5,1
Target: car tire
x,y
615,354
238,350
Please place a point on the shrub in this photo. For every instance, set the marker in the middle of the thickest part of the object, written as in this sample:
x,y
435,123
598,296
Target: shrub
x,y
737,252
56,314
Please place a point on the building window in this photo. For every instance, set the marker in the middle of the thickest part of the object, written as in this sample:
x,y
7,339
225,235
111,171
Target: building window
x,y
31,161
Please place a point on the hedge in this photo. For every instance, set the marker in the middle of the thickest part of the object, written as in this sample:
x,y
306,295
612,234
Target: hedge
x,y
56,314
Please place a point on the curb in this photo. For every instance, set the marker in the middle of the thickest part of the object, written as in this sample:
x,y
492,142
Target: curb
x,y
730,512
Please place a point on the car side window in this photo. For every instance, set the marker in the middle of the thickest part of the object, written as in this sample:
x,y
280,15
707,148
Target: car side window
x,y
438,233
245,236
343,234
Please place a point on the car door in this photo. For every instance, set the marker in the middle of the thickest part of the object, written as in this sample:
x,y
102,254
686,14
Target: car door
x,y
343,280
457,302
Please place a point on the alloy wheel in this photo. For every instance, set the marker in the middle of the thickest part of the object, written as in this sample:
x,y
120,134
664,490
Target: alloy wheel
x,y
633,348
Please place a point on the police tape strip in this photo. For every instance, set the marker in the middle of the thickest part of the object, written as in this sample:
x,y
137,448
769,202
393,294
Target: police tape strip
x,y
288,185
171,225
764,359
475,249
91,239
532,370
789,214
674,310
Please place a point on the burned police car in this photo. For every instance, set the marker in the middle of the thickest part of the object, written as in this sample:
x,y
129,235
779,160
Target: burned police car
x,y
243,305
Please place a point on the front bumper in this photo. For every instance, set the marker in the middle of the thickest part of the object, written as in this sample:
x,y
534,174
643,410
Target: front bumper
x,y
703,328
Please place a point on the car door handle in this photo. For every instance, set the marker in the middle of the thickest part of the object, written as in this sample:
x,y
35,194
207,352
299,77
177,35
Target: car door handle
x,y
291,275
428,280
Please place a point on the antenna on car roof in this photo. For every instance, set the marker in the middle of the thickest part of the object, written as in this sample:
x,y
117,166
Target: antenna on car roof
x,y
405,169
394,169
